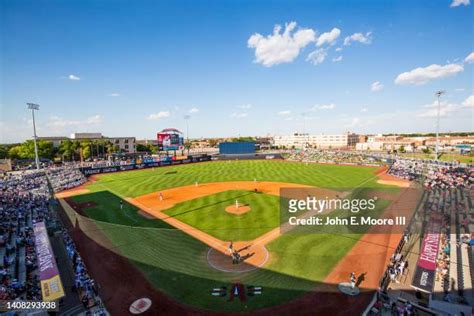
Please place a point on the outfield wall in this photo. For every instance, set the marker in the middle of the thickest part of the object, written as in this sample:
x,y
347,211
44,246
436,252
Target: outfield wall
x,y
88,171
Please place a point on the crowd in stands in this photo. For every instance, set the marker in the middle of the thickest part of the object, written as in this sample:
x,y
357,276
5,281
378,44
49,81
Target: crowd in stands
x,y
333,157
24,201
448,177
66,177
83,283
447,201
437,176
408,169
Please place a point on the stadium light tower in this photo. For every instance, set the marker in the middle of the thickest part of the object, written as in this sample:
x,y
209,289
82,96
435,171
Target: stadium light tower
x,y
187,117
438,95
33,107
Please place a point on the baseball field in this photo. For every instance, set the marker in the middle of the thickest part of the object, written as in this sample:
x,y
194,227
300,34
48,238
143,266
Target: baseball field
x,y
175,225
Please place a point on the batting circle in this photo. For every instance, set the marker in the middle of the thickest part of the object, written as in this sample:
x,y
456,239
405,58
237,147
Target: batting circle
x,y
223,262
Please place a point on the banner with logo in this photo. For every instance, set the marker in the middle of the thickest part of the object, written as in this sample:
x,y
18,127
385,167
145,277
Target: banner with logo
x,y
87,171
424,276
51,286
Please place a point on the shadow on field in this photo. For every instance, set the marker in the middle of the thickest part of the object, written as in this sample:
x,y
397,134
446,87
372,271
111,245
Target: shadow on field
x,y
107,209
123,278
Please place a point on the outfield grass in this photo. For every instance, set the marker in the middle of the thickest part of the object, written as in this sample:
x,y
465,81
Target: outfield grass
x,y
208,214
136,183
107,209
176,263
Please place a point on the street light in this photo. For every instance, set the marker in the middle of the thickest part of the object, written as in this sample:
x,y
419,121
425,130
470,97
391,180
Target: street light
x,y
33,107
438,95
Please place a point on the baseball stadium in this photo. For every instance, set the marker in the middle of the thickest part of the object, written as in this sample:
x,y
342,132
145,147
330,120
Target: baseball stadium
x,y
164,233
304,232
207,157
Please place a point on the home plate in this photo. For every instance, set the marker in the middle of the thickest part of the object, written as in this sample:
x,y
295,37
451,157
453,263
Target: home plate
x,y
346,288
140,306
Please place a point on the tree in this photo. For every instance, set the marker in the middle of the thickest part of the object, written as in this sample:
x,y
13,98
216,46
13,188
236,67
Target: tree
x,y
111,148
152,148
141,147
243,139
85,149
67,148
14,152
4,151
402,149
212,142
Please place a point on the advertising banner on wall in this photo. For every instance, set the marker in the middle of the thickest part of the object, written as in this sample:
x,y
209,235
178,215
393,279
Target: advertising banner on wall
x,y
424,276
51,286
88,171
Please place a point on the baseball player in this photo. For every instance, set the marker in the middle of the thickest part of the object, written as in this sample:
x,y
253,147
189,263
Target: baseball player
x,y
121,205
353,280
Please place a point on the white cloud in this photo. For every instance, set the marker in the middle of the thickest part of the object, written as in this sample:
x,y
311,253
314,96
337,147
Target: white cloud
x,y
330,106
459,89
353,123
358,37
239,115
245,106
96,119
419,76
114,94
73,77
337,59
470,58
194,110
431,110
364,110
376,86
457,3
328,37
284,113
280,47
469,102
317,57
158,116
339,49
59,122
56,121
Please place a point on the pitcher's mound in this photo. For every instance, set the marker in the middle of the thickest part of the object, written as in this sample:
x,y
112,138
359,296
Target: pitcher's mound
x,y
242,209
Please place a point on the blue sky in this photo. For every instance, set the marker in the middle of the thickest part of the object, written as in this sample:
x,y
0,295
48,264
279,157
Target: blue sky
x,y
132,68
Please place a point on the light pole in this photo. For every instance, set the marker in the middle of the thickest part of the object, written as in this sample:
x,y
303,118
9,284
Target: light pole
x,y
187,117
438,95
33,107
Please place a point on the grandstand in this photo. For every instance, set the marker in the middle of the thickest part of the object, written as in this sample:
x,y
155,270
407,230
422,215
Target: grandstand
x,y
436,248
31,237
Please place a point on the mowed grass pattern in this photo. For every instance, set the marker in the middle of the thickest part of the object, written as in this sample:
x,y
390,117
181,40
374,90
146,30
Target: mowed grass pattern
x,y
107,209
176,263
136,183
208,214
